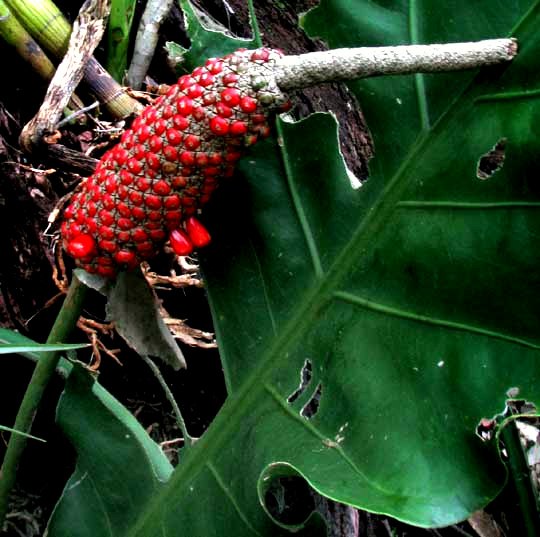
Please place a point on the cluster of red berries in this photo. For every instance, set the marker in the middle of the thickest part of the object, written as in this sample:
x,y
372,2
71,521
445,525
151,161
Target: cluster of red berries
x,y
148,188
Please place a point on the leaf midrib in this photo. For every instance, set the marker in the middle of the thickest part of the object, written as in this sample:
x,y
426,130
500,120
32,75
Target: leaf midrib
x,y
315,299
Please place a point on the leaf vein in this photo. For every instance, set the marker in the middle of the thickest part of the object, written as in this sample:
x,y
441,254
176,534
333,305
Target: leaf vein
x,y
442,204
445,323
419,79
298,207
223,486
324,439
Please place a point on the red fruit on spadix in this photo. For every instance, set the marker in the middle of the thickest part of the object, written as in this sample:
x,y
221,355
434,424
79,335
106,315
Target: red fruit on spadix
x,y
197,232
81,246
168,163
180,242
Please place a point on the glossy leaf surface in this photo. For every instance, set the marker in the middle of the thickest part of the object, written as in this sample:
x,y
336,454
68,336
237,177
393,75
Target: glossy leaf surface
x,y
413,300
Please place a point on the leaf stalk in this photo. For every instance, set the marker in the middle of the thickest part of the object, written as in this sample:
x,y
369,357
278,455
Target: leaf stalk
x,y
43,372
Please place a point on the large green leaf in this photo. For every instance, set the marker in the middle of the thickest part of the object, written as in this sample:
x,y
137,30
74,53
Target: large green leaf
x,y
118,466
413,300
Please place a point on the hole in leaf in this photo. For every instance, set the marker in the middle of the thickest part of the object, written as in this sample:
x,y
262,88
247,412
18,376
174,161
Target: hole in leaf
x,y
312,406
289,500
492,161
305,379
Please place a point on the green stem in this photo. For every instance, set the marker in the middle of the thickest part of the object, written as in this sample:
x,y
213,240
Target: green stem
x,y
188,440
254,25
521,479
48,26
16,36
44,370
45,22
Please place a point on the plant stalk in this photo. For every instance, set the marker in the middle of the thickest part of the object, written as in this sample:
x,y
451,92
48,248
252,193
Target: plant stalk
x,y
340,65
44,370
146,40
188,439
47,25
16,36
520,477
118,37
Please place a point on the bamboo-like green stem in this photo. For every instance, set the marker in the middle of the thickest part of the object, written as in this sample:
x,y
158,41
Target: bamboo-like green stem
x,y
521,479
44,370
16,36
46,23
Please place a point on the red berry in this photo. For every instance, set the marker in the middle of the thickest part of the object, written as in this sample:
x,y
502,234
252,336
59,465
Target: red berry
x,y
185,82
223,110
81,246
108,246
153,161
161,188
199,113
173,218
229,79
206,79
170,153
123,236
160,126
139,235
238,128
138,152
172,202
124,223
197,232
261,54
124,210
230,96
150,114
155,143
174,137
168,112
195,91
215,66
139,213
202,160
124,256
157,235
106,272
192,142
152,201
178,182
134,166
120,155
143,184
126,178
248,104
187,158
219,126
180,242
180,122
105,217
184,105
208,98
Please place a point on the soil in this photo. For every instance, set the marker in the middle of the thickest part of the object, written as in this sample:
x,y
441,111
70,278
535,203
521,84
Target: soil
x,y
30,189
